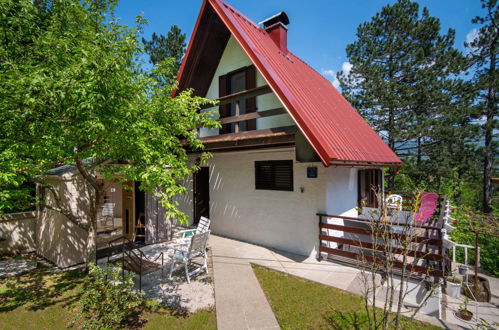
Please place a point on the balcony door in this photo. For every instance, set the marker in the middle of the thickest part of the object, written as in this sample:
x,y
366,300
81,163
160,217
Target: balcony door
x,y
231,83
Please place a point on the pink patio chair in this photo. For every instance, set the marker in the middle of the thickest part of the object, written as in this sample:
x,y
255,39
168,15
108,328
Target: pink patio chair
x,y
427,208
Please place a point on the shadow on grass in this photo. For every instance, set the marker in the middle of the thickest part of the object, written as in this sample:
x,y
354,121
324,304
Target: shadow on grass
x,y
39,289
339,320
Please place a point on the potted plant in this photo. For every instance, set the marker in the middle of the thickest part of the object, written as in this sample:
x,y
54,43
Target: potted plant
x,y
464,313
463,270
453,287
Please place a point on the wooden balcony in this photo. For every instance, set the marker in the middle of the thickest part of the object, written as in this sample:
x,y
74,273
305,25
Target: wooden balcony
x,y
242,139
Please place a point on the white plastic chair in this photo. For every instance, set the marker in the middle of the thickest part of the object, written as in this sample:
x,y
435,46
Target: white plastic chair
x,y
202,227
197,249
394,202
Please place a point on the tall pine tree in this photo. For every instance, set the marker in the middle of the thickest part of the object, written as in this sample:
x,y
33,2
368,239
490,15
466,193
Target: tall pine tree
x,y
160,48
483,55
404,81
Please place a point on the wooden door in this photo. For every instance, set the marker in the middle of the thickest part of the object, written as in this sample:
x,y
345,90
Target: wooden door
x,y
201,194
128,209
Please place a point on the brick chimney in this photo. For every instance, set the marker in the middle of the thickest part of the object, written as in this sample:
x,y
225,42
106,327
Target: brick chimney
x,y
279,33
276,28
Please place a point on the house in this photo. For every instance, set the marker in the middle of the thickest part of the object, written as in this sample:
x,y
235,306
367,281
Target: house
x,y
290,145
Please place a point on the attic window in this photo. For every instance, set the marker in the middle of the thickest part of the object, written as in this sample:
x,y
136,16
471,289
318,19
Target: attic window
x,y
274,175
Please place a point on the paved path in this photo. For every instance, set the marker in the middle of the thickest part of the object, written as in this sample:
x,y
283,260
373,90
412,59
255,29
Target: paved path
x,y
240,301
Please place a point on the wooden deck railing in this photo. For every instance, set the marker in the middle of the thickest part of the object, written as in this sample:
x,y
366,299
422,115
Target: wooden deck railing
x,y
362,250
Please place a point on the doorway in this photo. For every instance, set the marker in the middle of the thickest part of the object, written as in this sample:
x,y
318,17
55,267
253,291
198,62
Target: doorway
x,y
201,194
133,211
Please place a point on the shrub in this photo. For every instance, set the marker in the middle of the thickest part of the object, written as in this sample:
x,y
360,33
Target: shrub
x,y
107,299
489,245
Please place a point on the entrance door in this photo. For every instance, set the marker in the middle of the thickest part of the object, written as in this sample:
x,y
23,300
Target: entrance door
x,y
128,209
201,194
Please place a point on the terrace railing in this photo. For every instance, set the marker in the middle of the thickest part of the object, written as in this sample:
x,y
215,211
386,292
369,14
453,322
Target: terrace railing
x,y
426,251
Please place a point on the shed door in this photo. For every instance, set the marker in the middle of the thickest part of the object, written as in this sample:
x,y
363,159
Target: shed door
x,y
201,194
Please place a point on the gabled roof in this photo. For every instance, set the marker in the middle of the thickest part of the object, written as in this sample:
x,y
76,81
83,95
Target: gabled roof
x,y
333,127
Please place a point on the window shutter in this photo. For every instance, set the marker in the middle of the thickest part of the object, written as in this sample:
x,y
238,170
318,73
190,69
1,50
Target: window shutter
x,y
274,175
223,109
251,102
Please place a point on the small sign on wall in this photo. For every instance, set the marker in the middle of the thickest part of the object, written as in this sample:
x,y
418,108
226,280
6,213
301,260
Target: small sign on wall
x,y
312,172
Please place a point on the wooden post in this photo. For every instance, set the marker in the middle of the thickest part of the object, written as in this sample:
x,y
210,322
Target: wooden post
x,y
476,263
319,257
238,112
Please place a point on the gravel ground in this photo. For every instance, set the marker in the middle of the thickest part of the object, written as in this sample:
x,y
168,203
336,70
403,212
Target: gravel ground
x,y
177,293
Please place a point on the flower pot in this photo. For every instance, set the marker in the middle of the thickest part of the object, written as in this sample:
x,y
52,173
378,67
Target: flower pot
x,y
463,270
465,315
453,289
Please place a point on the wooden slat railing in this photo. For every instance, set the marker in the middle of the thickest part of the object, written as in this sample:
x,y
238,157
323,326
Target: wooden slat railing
x,y
367,248
252,115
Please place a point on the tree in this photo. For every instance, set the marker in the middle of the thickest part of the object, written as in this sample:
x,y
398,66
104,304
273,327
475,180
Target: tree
x,y
171,46
483,55
404,81
71,92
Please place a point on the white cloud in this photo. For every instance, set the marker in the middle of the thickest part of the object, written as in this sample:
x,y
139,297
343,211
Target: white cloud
x,y
472,35
346,67
330,73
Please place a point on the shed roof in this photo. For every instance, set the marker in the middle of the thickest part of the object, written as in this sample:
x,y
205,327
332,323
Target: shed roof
x,y
332,126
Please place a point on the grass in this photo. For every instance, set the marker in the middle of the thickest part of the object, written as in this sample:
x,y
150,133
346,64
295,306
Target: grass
x,y
42,300
302,304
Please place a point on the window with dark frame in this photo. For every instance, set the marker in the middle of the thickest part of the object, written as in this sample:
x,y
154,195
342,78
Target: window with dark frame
x,y
274,175
370,182
233,82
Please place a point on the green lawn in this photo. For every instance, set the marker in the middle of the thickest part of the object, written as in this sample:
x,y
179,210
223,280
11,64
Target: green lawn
x,y
302,304
47,301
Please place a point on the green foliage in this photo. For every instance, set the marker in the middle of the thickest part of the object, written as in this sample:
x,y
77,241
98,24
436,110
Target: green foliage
x,y
405,81
72,89
107,299
483,52
160,48
489,245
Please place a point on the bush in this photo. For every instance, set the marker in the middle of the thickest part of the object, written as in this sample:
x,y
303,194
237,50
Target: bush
x,y
489,245
107,300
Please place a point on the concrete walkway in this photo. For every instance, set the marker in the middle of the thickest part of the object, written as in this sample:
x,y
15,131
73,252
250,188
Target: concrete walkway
x,y
240,301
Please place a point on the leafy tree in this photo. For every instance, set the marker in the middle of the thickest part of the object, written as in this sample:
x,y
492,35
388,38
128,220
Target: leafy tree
x,y
404,81
71,92
171,46
483,55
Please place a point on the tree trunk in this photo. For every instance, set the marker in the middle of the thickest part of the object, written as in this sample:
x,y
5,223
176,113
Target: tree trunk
x,y
489,147
391,144
91,248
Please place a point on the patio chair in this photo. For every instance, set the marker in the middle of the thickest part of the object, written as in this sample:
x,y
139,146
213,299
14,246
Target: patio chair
x,y
394,202
197,249
185,235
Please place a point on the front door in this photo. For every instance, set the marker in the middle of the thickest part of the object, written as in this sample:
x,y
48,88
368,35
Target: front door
x,y
201,194
128,209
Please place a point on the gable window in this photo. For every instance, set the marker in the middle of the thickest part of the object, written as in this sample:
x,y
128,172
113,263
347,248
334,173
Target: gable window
x,y
274,175
370,183
233,82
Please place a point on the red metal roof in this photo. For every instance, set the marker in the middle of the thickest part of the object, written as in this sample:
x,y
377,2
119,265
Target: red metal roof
x,y
332,126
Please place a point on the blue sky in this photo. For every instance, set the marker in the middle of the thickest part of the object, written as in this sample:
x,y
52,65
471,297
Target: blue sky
x,y
319,30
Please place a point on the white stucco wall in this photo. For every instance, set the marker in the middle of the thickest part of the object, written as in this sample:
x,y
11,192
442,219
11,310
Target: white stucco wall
x,y
284,220
232,59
